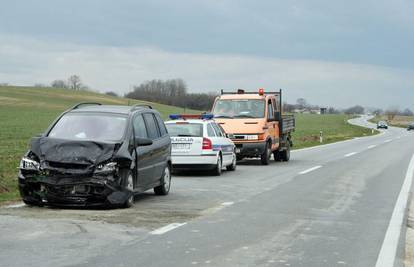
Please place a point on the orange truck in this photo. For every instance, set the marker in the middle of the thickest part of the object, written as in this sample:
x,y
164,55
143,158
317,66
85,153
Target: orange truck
x,y
254,121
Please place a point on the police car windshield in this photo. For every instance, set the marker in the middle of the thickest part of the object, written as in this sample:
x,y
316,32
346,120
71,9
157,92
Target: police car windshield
x,y
239,108
185,129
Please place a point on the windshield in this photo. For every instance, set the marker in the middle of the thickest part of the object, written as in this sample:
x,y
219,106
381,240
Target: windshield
x,y
239,108
185,129
95,127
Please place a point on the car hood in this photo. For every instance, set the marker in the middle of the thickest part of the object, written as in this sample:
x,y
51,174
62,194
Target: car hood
x,y
71,151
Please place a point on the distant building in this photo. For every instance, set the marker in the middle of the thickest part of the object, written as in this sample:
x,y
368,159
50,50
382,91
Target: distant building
x,y
323,111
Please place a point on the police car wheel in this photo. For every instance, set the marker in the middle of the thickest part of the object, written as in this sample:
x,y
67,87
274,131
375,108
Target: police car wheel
x,y
233,165
218,167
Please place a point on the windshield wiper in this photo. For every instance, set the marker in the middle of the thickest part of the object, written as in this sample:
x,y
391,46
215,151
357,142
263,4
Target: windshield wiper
x,y
244,116
223,116
186,135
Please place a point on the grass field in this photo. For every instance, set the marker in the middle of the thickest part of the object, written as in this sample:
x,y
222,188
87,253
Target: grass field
x,y
334,127
26,112
398,121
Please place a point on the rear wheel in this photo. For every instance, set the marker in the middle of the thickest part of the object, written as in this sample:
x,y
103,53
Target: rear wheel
x,y
218,167
285,154
233,165
265,157
277,156
164,188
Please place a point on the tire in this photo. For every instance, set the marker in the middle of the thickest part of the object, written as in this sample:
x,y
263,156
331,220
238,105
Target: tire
x,y
265,157
233,165
164,188
128,184
32,203
285,154
218,167
276,156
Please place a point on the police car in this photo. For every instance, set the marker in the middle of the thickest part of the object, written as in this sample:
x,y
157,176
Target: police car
x,y
198,142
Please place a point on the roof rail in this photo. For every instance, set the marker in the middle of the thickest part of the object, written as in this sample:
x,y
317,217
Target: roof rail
x,y
241,92
141,105
84,103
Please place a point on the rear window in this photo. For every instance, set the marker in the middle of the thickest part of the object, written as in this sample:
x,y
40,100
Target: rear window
x,y
185,129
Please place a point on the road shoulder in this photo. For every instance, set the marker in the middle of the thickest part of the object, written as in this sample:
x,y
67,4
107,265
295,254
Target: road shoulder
x,y
409,238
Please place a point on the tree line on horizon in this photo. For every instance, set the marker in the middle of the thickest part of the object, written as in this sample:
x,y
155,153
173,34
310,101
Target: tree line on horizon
x,y
175,92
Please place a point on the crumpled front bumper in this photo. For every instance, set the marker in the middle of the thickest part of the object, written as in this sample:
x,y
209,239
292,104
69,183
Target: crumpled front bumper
x,y
72,191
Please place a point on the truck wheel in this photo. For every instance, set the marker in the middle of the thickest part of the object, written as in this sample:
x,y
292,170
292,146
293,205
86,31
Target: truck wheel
x,y
265,157
218,167
276,156
285,154
233,165
164,188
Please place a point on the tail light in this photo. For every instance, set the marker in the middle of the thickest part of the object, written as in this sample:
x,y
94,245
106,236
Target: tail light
x,y
207,144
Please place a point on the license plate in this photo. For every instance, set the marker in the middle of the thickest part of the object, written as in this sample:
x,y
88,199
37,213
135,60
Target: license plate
x,y
181,146
237,150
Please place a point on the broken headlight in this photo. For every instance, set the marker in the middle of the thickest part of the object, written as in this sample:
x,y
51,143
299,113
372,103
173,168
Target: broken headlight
x,y
107,168
29,164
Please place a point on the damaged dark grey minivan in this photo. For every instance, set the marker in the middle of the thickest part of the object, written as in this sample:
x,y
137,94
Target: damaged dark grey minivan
x,y
97,155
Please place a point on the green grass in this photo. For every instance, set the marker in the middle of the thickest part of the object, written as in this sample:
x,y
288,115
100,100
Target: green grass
x,y
397,121
334,127
27,111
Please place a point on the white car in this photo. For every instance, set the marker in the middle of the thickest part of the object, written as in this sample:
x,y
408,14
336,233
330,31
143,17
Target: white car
x,y
198,142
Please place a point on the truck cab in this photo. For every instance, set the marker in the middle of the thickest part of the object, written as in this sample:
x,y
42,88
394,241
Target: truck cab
x,y
254,122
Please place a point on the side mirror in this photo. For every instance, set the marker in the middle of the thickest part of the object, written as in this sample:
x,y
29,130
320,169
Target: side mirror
x,y
142,141
277,115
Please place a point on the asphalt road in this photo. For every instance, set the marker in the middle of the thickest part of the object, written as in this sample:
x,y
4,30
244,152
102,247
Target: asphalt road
x,y
328,206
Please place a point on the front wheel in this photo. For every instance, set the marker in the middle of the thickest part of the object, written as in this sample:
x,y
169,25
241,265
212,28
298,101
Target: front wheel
x,y
218,167
265,157
164,188
233,165
128,184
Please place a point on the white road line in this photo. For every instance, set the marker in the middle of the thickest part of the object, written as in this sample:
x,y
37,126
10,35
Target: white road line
x,y
389,246
167,228
350,154
20,205
372,146
227,203
387,141
310,170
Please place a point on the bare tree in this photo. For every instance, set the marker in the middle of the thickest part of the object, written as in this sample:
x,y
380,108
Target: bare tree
x,y
111,93
59,84
407,112
392,112
74,82
301,103
355,110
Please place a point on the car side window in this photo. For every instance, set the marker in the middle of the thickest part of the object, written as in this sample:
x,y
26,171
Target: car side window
x,y
270,111
210,131
217,129
140,128
161,125
152,126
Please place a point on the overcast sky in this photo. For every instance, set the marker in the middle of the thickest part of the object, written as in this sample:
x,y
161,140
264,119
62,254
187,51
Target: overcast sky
x,y
340,52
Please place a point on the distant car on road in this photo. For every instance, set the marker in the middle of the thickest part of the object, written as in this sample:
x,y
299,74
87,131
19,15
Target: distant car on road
x,y
410,127
382,125
198,142
96,155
